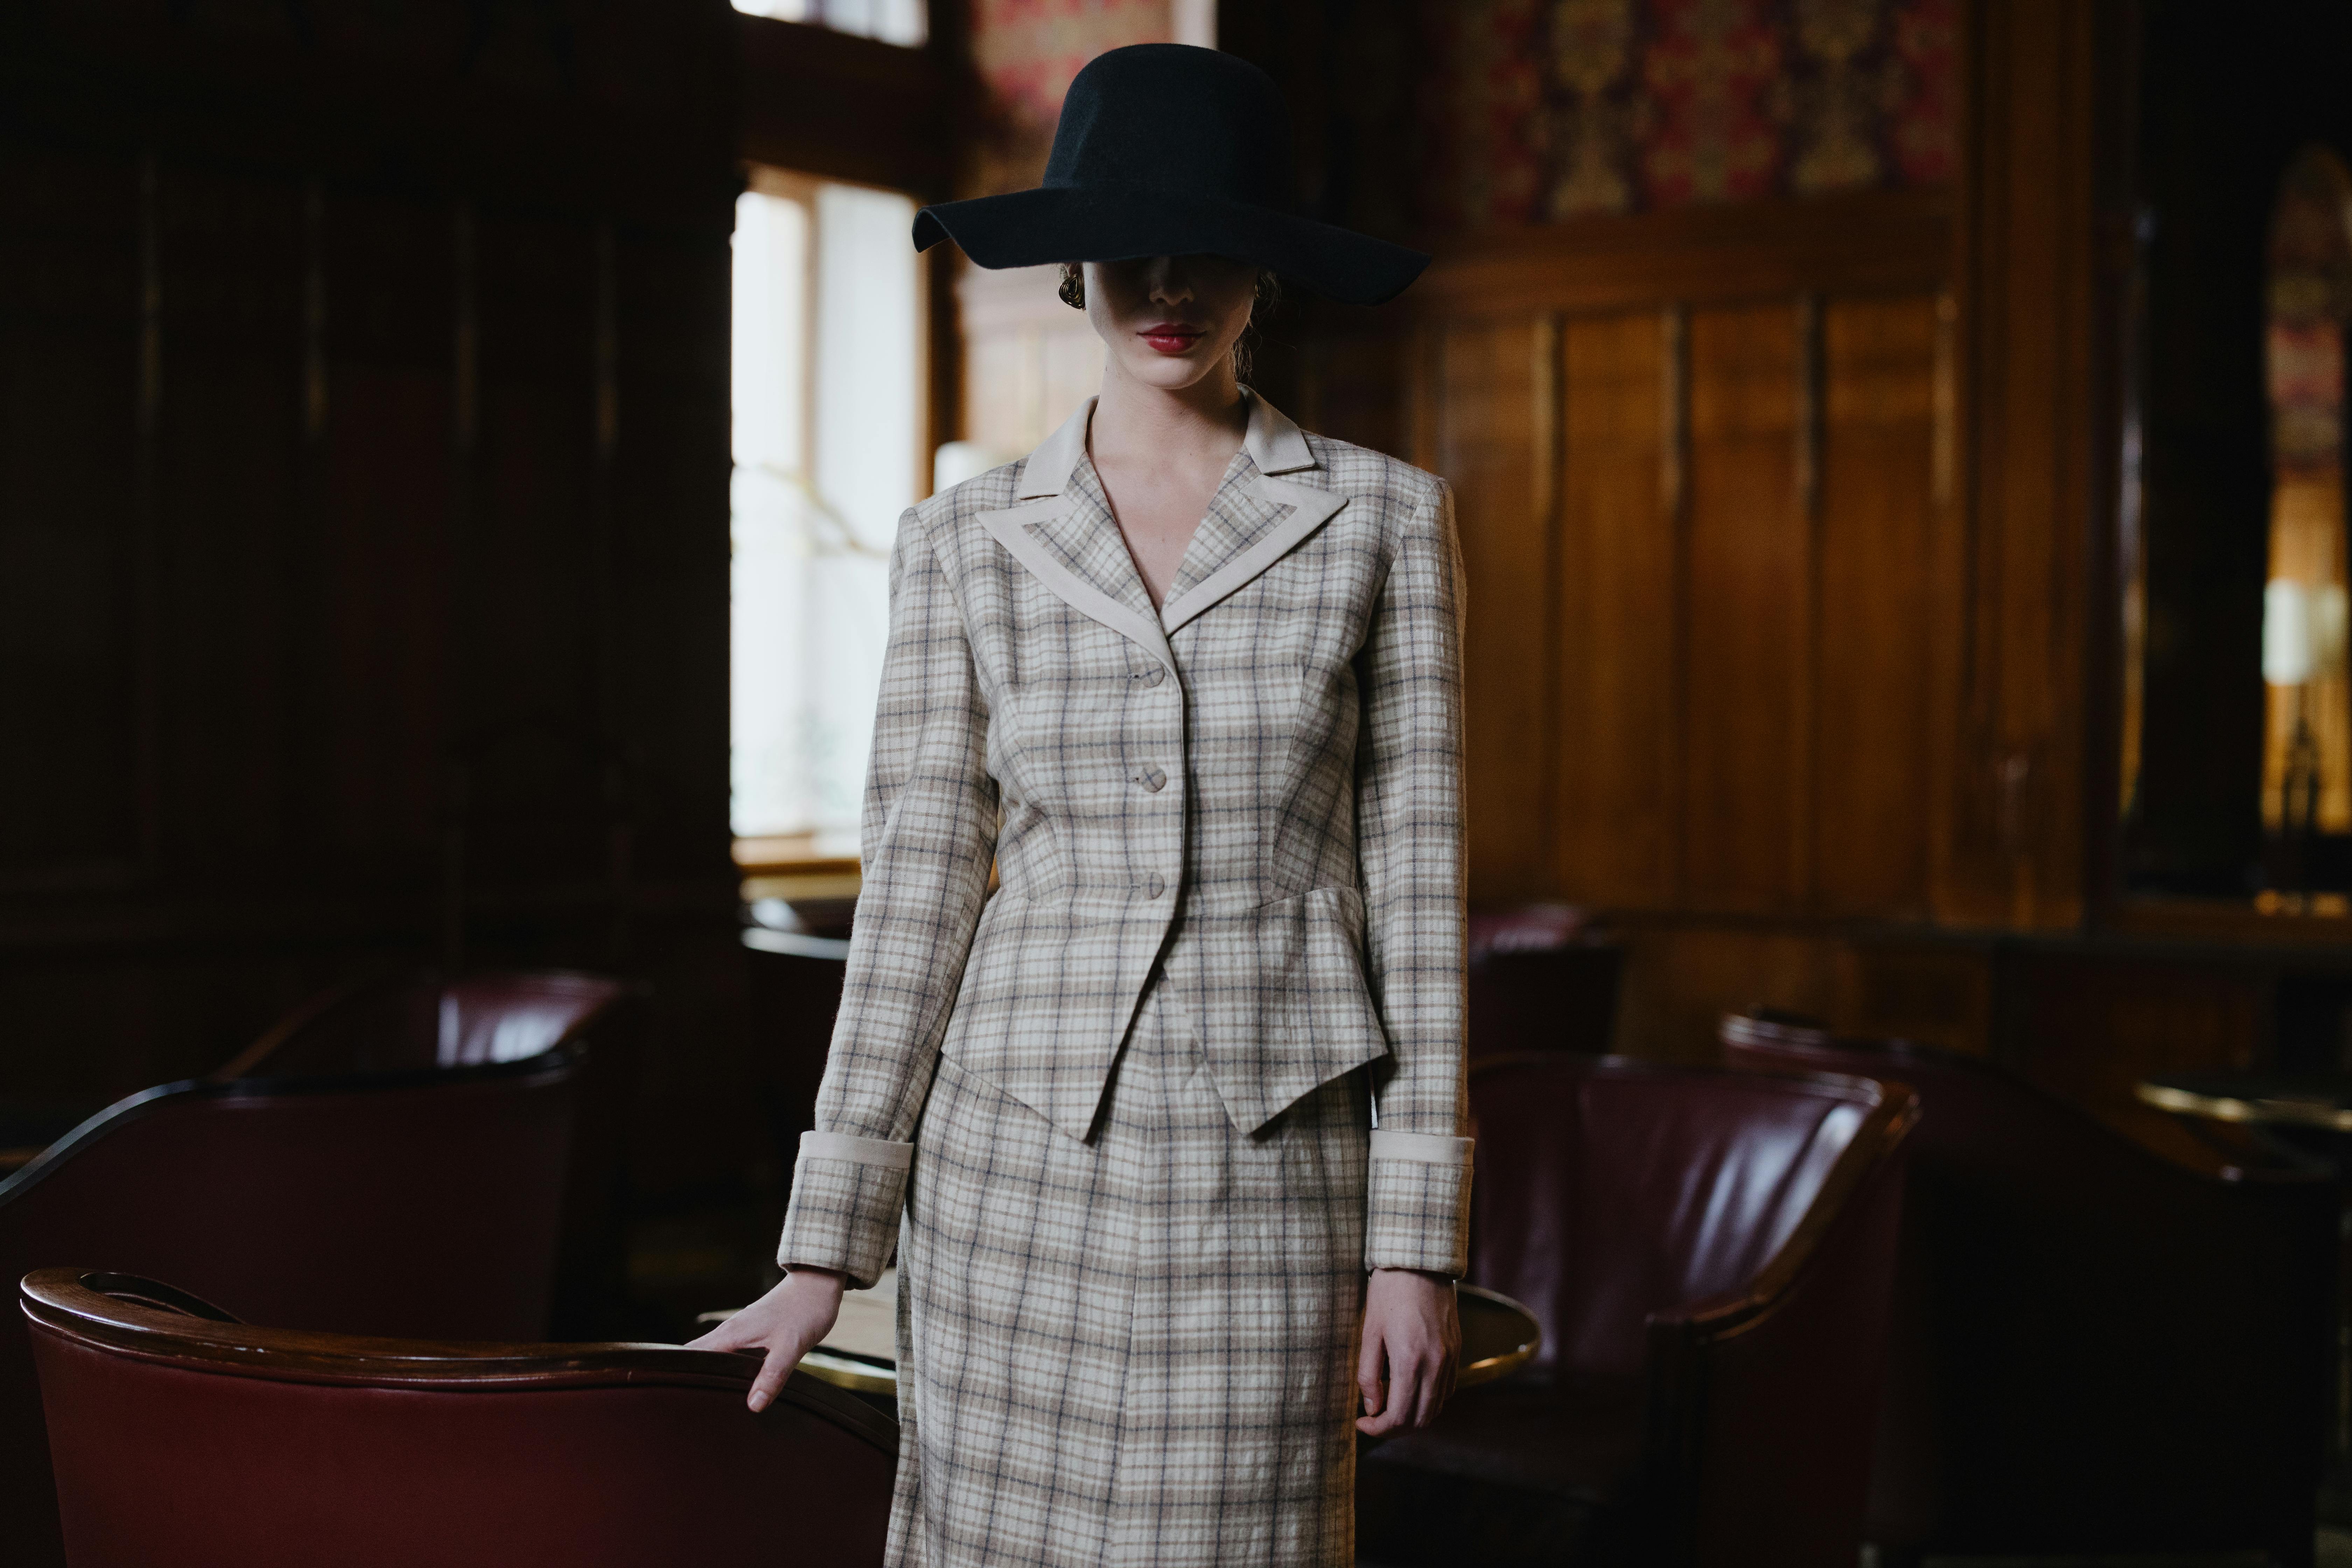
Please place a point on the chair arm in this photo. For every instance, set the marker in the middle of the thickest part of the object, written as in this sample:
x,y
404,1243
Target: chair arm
x,y
1763,1402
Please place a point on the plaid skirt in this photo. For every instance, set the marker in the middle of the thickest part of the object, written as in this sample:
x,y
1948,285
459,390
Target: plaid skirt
x,y
1136,1350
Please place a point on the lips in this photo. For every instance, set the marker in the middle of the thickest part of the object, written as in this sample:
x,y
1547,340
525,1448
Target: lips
x,y
1171,337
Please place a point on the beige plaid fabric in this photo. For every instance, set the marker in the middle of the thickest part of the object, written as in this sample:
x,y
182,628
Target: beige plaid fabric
x,y
1247,803
1137,1350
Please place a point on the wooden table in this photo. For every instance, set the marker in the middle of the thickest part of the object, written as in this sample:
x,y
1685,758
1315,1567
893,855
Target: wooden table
x,y
2255,1100
2304,1119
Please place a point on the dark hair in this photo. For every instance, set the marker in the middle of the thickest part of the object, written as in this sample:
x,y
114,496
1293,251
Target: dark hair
x,y
1267,296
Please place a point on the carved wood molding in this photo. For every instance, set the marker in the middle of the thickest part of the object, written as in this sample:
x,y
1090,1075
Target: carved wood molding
x,y
1879,240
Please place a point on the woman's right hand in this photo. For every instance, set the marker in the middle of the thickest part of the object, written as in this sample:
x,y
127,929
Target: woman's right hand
x,y
787,1322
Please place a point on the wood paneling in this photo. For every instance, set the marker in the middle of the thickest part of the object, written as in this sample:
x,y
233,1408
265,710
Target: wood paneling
x,y
364,517
2037,367
1613,806
1875,548
1877,242
1745,618
68,494
1491,436
1699,537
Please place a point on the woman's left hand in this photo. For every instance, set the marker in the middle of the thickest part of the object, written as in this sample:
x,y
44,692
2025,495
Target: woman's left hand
x,y
1413,1336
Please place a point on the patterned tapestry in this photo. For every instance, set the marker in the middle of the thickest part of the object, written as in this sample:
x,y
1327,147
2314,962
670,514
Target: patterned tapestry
x,y
1471,114
1026,51
1538,109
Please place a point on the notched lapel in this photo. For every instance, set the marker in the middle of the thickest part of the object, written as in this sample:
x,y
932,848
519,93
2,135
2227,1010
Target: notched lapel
x,y
1237,518
1290,512
1071,544
1064,532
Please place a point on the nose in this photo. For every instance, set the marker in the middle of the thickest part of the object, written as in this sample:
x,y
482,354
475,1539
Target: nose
x,y
1169,283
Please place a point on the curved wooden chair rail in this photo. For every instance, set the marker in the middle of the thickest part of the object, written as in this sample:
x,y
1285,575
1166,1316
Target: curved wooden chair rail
x,y
158,1322
560,1066
182,1435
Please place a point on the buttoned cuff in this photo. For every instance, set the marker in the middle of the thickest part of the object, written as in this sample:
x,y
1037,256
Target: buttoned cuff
x,y
1418,1203
847,1196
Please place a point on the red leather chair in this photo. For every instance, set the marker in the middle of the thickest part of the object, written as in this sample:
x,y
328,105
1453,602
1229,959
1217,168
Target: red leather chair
x,y
2098,1352
421,1021
404,1022
183,1436
1709,1255
423,1202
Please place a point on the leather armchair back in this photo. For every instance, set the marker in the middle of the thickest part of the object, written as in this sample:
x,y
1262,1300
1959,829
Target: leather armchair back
x,y
425,1021
184,1436
421,1203
418,1022
1609,1190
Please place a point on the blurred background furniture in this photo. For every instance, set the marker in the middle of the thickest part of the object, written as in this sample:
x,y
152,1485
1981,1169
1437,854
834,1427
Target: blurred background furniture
x,y
425,1202
795,990
182,1436
421,1021
2304,1119
2098,1351
1541,979
1710,1255
1500,1337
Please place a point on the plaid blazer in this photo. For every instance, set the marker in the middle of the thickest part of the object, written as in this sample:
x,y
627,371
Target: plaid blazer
x,y
1255,790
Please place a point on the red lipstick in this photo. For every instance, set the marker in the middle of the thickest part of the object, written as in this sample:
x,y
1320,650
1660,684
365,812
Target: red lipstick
x,y
1171,337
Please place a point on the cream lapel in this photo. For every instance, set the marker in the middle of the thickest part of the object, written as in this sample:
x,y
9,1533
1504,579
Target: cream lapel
x,y
1247,530
1063,532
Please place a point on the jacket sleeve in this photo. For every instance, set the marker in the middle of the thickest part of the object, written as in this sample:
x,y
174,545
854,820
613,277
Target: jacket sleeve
x,y
1409,851
929,836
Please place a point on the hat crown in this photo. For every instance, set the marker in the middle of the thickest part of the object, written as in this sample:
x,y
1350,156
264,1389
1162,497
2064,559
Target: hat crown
x,y
1175,118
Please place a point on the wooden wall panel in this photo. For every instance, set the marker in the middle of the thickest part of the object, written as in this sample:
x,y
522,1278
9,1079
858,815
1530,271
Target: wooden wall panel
x,y
363,502
1747,689
2090,1027
2038,379
378,684
69,405
1873,742
1719,512
1612,806
1350,386
1491,439
227,508
530,747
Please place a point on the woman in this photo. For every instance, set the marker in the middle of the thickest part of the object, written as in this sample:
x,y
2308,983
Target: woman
x,y
1188,679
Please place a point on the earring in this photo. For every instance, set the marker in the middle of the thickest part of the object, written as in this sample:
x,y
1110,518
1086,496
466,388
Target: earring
x,y
1074,285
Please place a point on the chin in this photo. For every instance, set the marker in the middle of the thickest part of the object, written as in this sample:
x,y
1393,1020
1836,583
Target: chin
x,y
1171,372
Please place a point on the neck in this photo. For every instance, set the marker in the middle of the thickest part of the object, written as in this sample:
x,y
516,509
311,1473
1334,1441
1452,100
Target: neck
x,y
1207,418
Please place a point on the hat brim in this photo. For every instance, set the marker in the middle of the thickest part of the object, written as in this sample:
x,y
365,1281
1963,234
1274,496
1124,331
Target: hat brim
x,y
1032,228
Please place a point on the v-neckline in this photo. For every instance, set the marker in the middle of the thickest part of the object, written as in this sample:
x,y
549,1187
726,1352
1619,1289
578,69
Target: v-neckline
x,y
1237,469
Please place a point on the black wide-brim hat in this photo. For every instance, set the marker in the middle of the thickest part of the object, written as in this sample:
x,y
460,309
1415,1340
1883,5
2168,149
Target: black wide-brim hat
x,y
1169,150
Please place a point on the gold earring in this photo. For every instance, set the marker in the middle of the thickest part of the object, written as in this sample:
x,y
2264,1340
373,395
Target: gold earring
x,y
1074,285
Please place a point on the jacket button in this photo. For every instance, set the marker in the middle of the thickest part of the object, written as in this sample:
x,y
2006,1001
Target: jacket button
x,y
1153,887
1151,675
1153,779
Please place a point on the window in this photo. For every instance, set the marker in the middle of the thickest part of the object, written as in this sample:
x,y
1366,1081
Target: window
x,y
892,21
828,435
2307,748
